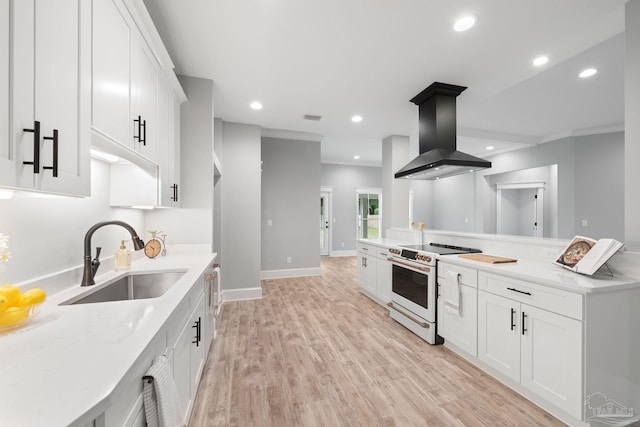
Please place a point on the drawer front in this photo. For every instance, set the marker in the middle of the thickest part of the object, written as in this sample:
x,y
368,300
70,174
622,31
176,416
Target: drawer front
x,y
380,252
468,276
551,299
366,249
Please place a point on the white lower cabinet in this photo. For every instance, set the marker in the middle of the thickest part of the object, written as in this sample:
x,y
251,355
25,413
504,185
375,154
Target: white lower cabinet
x,y
383,276
188,353
183,342
374,272
367,268
459,327
537,348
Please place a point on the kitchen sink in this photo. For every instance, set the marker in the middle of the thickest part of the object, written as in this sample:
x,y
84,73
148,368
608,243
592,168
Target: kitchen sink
x,y
130,287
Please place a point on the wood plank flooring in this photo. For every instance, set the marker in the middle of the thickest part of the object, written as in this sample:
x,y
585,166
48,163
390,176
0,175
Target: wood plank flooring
x,y
314,351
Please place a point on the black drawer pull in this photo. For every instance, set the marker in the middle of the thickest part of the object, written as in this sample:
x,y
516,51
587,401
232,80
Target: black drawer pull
x,y
36,147
53,138
138,121
518,291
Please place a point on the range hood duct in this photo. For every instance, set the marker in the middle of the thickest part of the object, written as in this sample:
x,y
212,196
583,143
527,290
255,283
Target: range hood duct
x,y
437,139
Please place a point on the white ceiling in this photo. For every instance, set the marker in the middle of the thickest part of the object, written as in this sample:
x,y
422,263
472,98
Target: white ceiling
x,y
337,58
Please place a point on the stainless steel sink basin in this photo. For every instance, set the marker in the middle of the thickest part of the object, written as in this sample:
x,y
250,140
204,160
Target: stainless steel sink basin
x,y
130,287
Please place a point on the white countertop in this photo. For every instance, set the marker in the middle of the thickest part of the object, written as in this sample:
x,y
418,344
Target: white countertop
x,y
544,273
548,274
67,361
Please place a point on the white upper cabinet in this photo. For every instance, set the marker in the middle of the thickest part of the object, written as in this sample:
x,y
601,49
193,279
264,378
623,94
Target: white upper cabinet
x,y
168,145
144,99
48,148
111,35
125,81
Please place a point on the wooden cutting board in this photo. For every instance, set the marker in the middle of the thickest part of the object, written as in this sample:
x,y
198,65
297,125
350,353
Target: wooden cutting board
x,y
491,259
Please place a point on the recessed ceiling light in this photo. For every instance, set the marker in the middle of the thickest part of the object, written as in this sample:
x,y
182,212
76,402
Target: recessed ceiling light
x,y
587,73
356,157
540,61
464,23
356,119
256,105
490,147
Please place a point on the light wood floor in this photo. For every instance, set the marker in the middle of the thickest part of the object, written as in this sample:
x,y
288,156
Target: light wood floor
x,y
316,352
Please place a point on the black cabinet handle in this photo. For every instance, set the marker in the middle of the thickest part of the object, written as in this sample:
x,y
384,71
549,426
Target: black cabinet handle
x,y
138,121
518,291
144,133
524,316
513,321
53,138
36,147
174,187
197,337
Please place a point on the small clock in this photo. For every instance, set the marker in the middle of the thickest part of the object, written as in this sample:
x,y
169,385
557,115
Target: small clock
x,y
153,246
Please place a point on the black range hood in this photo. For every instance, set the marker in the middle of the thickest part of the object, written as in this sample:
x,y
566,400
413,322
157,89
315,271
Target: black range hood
x,y
437,137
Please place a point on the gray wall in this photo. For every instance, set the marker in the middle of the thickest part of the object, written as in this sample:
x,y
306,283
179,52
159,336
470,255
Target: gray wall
x,y
599,196
395,192
344,179
192,223
590,186
241,206
217,190
290,201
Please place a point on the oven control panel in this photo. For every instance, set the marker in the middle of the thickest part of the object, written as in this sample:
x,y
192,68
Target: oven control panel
x,y
424,258
394,251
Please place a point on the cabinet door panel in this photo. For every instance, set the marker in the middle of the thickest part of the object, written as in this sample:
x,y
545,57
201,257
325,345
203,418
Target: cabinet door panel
x,y
111,34
551,358
61,63
144,98
462,329
383,268
498,340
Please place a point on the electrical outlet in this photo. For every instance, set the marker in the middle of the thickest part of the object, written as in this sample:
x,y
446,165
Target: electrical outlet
x,y
288,260
342,244
551,253
584,223
269,223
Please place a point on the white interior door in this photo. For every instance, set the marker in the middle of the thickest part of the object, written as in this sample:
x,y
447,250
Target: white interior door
x,y
325,220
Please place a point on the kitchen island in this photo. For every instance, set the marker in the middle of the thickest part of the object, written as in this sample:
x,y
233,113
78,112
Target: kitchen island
x,y
556,337
73,364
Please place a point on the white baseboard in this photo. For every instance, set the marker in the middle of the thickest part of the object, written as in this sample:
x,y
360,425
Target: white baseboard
x,y
344,253
292,272
241,294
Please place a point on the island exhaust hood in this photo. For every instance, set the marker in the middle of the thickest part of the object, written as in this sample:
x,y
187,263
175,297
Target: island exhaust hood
x,y
437,137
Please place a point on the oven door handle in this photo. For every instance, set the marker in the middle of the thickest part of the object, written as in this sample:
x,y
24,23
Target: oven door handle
x,y
396,261
408,316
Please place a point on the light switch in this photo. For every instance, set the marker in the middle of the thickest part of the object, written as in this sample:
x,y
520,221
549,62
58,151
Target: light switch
x,y
584,223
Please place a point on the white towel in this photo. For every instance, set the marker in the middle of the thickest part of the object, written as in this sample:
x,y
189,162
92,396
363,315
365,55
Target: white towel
x,y
161,403
451,292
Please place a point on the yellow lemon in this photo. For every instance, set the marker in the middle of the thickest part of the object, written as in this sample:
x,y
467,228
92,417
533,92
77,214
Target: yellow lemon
x,y
31,297
12,315
4,302
11,293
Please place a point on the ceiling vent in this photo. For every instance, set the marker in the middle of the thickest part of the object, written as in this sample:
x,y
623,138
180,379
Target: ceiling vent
x,y
312,117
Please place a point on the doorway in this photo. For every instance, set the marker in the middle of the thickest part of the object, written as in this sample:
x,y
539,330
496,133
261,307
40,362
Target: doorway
x,y
520,209
369,205
325,220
